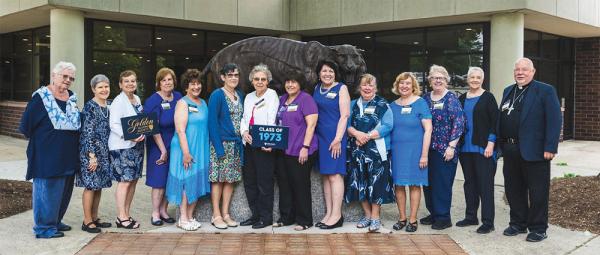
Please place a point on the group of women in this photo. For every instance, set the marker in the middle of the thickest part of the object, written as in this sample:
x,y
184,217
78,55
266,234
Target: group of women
x,y
367,150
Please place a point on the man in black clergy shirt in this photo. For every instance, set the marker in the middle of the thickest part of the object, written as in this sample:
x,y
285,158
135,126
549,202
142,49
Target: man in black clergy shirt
x,y
529,127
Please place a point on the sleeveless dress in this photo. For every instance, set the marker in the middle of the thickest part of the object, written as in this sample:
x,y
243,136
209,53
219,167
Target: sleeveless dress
x,y
195,180
407,143
329,116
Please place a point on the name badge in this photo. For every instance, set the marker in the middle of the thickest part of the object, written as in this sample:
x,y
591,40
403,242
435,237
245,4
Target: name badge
x,y
438,105
331,94
406,109
260,104
369,109
140,108
292,107
165,105
506,105
193,109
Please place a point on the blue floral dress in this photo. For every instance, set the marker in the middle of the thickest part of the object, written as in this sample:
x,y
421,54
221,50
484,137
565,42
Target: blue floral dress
x,y
449,121
94,139
127,164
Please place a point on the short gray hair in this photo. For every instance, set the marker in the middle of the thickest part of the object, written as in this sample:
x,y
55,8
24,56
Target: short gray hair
x,y
528,60
263,69
62,65
97,79
475,68
368,78
439,69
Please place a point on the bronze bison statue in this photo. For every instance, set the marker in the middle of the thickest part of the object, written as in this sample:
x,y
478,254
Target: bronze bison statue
x,y
282,55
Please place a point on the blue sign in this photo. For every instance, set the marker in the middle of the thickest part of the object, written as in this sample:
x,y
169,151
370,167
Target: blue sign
x,y
270,136
134,126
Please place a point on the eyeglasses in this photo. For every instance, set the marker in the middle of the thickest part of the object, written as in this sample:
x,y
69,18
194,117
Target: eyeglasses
x,y
233,75
437,78
259,79
71,78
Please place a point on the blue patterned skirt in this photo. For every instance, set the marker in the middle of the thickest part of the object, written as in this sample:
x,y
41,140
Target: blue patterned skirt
x,y
127,164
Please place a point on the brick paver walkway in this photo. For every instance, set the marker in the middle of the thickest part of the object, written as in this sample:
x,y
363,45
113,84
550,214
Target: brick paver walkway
x,y
195,243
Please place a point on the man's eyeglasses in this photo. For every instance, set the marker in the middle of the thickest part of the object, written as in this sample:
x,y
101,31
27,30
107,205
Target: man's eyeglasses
x,y
71,78
233,75
260,79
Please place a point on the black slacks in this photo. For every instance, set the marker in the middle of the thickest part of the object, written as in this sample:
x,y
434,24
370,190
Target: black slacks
x,y
479,173
259,170
293,178
526,181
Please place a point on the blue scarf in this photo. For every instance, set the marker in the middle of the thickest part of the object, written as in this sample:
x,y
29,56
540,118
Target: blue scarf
x,y
68,120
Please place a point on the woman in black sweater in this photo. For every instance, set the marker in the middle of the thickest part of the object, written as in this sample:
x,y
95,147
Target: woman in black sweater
x,y
478,157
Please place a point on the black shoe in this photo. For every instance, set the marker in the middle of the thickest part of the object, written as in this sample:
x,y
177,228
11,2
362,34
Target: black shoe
x,y
57,234
400,224
441,224
168,220
411,227
103,224
427,220
248,222
261,224
156,223
513,231
319,224
64,228
536,237
338,224
86,228
484,229
465,222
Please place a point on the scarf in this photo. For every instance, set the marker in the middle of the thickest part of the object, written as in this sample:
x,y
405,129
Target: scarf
x,y
68,120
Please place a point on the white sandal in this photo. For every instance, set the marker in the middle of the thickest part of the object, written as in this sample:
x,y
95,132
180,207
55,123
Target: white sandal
x,y
231,223
187,226
195,223
218,225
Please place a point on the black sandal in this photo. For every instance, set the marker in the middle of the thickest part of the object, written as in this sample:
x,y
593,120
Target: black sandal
x,y
278,224
86,228
412,227
102,225
303,227
130,226
400,224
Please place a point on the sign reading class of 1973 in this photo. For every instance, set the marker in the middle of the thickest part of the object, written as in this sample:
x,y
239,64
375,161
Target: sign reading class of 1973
x,y
142,124
270,136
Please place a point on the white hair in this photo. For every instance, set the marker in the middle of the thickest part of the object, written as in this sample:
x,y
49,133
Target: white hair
x,y
528,60
97,79
473,69
263,69
62,65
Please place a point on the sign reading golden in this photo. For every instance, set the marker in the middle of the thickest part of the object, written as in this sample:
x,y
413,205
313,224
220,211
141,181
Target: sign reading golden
x,y
143,124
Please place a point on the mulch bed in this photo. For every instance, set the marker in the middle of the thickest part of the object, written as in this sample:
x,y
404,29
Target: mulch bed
x,y
575,203
16,197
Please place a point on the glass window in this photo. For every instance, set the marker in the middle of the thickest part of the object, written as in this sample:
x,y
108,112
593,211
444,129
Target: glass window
x,y
22,78
566,49
42,40
23,42
548,72
218,41
41,73
454,39
179,41
389,68
180,64
120,36
393,44
531,43
112,64
6,50
550,47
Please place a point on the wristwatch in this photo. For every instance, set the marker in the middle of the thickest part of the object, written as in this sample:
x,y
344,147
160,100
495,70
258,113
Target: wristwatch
x,y
451,146
305,146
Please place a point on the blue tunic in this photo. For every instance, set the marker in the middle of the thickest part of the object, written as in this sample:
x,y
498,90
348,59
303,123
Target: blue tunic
x,y
50,152
94,138
195,180
156,175
329,116
407,143
469,146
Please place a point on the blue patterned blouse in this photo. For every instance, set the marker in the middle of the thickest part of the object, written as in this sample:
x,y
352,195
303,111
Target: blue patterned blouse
x,y
448,120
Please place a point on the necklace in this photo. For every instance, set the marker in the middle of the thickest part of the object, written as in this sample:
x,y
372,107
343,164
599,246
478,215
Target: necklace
x,y
513,101
234,96
289,100
102,112
400,100
326,91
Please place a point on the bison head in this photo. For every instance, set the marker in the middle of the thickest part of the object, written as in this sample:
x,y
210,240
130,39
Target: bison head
x,y
351,63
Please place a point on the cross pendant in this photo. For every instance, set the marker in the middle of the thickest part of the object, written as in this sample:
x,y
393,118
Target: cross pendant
x,y
510,110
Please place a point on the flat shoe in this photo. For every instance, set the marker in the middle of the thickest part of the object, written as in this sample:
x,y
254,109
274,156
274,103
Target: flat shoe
x,y
156,223
465,223
400,224
87,228
411,227
218,225
484,229
64,228
231,223
441,224
261,224
375,226
167,220
57,234
513,231
103,224
427,220
365,222
536,237
319,224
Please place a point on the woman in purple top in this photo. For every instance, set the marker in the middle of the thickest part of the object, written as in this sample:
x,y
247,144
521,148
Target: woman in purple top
x,y
298,111
162,103
333,101
448,120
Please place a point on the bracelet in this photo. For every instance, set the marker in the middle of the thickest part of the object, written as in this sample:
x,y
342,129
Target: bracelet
x,y
424,156
305,147
453,147
370,135
336,138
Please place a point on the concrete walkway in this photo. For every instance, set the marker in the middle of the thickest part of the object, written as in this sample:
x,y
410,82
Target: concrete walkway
x,y
16,235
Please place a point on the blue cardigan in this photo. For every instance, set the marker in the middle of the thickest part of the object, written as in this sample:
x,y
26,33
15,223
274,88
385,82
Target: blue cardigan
x,y
220,126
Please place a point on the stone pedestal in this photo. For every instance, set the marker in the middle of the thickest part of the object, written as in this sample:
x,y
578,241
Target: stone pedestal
x,y
240,211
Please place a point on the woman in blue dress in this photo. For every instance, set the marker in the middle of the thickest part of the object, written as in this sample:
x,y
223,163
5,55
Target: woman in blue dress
x,y
157,148
94,171
410,147
448,125
333,101
369,179
127,156
190,152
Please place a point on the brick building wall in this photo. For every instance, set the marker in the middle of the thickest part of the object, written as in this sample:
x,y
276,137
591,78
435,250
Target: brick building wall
x,y
10,118
587,89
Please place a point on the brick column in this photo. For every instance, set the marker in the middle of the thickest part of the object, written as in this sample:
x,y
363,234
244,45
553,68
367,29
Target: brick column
x,y
587,89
